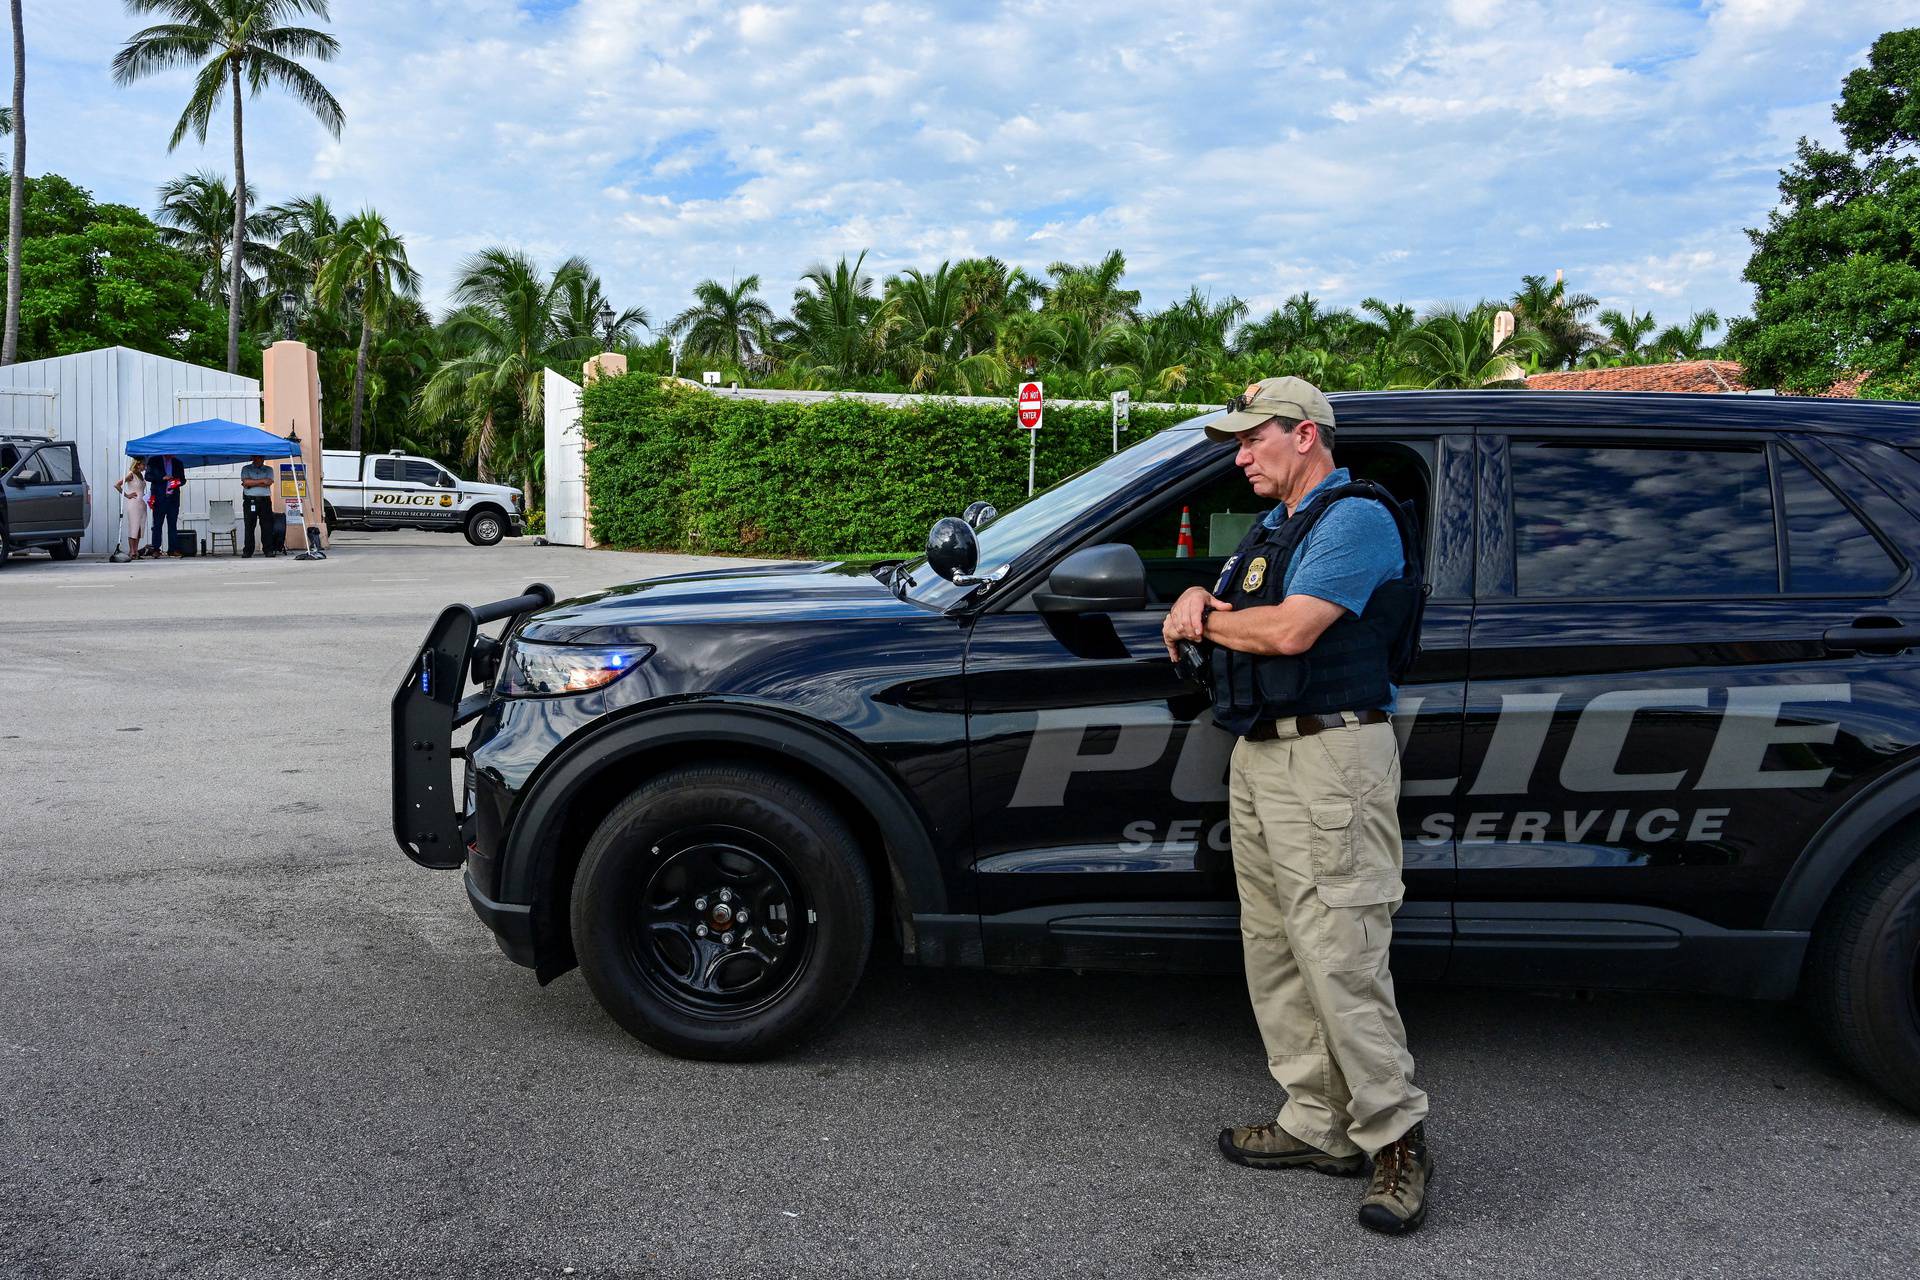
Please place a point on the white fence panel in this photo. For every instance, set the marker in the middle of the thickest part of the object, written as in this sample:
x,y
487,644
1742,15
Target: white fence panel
x,y
566,498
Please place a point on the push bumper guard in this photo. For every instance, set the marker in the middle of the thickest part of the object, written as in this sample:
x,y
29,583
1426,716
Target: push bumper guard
x,y
428,706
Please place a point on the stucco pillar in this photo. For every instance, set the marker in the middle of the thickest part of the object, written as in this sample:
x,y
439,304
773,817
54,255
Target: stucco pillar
x,y
606,364
290,388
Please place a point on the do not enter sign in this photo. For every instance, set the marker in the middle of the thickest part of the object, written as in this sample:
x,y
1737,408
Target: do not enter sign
x,y
1030,407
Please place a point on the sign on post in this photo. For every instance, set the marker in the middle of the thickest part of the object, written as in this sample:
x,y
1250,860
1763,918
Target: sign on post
x,y
1122,403
1029,409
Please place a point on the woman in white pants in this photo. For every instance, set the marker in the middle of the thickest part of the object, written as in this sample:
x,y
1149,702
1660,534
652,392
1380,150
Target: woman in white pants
x,y
133,487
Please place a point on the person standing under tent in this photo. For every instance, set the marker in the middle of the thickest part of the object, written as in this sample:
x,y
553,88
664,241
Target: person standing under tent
x,y
168,476
132,488
256,491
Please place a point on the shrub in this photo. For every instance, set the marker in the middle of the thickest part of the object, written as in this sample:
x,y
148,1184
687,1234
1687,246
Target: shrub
x,y
672,468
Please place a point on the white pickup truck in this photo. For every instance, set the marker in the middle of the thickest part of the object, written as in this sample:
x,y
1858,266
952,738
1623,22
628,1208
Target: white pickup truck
x,y
398,491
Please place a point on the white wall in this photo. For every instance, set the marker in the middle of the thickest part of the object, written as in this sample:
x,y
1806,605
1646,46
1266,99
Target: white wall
x,y
102,399
566,476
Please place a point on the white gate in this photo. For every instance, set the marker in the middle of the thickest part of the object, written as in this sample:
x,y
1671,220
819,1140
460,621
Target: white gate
x,y
566,498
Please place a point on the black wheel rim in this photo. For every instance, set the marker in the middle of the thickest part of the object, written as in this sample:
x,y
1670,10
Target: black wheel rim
x,y
719,927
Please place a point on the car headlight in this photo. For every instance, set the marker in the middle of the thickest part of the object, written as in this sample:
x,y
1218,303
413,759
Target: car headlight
x,y
532,670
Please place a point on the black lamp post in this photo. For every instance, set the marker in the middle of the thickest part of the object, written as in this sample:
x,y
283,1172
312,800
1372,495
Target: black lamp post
x,y
605,316
289,312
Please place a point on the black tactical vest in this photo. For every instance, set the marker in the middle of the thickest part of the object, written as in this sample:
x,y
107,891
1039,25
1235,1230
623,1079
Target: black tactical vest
x,y
1354,663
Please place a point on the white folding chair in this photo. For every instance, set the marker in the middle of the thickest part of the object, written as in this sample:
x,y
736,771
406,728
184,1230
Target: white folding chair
x,y
220,524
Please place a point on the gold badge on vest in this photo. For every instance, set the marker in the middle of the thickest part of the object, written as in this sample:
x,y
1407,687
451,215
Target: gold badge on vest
x,y
1256,574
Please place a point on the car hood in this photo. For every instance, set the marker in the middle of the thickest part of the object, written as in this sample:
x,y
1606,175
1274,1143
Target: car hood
x,y
758,596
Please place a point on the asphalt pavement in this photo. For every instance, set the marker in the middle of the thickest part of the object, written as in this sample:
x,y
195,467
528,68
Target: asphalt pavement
x,y
242,1036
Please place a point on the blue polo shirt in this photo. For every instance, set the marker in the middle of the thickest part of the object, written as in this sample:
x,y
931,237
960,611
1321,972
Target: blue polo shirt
x,y
1347,555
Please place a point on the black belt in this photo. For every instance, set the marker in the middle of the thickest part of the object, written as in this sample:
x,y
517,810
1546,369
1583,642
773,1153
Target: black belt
x,y
1307,726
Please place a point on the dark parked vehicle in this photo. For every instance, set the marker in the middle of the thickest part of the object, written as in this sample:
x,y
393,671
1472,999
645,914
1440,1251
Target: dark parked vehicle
x,y
1664,732
44,497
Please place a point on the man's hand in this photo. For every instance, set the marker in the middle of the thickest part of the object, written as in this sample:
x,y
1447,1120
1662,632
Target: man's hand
x,y
1183,620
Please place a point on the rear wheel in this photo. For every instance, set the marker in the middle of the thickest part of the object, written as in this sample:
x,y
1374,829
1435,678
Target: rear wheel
x,y
6,544
722,912
65,549
1865,971
484,528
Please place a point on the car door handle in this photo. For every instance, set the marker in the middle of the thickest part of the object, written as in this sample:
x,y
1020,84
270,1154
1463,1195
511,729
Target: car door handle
x,y
1878,635
66,493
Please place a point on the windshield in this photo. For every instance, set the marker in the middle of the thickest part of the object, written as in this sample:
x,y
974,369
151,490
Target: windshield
x,y
1017,530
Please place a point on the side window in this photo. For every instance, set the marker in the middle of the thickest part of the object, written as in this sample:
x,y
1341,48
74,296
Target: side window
x,y
386,469
419,472
55,464
8,456
1829,552
1223,509
1601,521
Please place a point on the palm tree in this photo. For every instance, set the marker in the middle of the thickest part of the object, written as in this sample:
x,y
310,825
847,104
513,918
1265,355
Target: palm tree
x,y
509,325
195,216
1689,341
581,313
1553,313
303,226
837,323
367,262
1454,349
1300,321
16,124
1092,289
233,43
1387,330
726,322
932,352
1623,340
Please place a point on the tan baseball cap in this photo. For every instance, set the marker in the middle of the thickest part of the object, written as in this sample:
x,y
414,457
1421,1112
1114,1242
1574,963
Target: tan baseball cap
x,y
1292,400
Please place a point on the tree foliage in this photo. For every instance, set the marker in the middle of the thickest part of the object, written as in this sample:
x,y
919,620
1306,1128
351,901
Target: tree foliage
x,y
96,275
1836,270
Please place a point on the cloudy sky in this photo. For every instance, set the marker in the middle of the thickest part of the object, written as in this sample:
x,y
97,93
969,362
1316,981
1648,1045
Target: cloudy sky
x,y
1418,151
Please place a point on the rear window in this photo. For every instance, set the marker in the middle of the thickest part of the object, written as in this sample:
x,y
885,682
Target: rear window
x,y
1829,550
386,469
1634,521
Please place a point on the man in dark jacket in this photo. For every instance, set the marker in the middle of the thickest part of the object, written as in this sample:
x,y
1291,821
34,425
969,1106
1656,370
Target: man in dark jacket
x,y
166,476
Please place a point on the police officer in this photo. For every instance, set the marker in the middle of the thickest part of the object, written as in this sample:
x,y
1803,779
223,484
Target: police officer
x,y
1301,634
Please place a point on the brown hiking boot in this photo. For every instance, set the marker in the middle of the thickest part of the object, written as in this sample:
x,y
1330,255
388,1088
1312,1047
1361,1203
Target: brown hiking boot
x,y
1396,1199
1268,1146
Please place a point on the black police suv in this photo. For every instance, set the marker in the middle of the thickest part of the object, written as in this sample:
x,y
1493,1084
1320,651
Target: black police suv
x,y
1664,732
44,498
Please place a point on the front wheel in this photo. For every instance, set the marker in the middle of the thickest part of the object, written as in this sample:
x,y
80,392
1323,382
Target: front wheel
x,y
485,528
722,912
1865,971
6,544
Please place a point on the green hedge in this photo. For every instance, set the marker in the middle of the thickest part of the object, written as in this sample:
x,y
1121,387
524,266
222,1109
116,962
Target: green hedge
x,y
672,468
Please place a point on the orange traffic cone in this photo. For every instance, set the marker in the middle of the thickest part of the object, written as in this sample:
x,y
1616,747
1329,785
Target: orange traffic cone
x,y
1183,549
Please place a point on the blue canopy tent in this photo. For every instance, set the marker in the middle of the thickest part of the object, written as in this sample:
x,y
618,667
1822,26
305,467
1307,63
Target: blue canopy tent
x,y
214,441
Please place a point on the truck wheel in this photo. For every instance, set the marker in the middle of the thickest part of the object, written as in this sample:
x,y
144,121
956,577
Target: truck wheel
x,y
326,513
1865,971
6,544
65,549
485,528
722,912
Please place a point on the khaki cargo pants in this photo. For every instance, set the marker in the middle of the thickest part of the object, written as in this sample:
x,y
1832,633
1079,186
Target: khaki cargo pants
x,y
1316,852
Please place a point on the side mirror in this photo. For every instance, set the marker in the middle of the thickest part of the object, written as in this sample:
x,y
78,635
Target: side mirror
x,y
980,514
24,476
445,481
1110,578
952,549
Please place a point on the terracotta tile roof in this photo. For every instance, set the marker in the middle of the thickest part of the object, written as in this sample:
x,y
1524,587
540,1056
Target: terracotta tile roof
x,y
1712,376
1708,376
